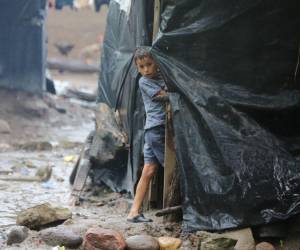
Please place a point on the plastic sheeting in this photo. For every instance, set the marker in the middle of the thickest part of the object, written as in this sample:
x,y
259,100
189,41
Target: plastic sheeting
x,y
117,85
232,71
22,44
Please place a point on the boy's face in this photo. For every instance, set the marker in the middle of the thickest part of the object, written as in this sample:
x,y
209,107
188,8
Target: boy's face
x,y
147,67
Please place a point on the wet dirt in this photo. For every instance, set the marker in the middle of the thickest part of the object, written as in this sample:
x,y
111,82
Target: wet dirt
x,y
66,133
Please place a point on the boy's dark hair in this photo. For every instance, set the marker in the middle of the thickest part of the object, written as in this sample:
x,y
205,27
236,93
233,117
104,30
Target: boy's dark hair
x,y
142,52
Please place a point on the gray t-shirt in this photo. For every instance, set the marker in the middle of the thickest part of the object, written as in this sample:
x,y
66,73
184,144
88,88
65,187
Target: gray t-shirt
x,y
155,111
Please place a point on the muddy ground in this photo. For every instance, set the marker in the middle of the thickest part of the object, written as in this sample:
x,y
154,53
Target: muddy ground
x,y
36,122
80,28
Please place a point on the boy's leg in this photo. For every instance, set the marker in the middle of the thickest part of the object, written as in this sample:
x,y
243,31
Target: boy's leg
x,y
149,171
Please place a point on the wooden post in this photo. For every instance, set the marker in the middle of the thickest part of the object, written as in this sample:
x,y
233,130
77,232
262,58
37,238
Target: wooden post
x,y
171,193
170,159
156,19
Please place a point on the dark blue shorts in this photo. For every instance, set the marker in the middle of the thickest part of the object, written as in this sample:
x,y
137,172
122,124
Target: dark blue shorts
x,y
154,147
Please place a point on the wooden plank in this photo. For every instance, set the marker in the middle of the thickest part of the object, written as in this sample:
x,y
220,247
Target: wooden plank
x,y
170,160
82,166
168,210
156,19
71,66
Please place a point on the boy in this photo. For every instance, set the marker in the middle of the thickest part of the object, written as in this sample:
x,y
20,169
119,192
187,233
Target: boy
x,y
153,91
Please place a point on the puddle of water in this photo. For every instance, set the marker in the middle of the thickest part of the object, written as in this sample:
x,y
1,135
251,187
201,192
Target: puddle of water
x,y
16,196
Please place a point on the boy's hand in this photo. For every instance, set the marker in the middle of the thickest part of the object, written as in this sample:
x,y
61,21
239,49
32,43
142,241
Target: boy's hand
x,y
161,96
161,93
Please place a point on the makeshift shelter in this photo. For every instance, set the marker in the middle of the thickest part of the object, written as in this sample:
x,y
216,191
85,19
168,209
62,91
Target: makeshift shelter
x,y
23,44
232,71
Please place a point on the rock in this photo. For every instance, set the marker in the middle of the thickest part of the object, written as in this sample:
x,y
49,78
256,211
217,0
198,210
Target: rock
x,y
210,241
41,215
186,245
142,242
244,237
264,246
169,243
44,172
103,239
4,127
61,236
108,140
17,234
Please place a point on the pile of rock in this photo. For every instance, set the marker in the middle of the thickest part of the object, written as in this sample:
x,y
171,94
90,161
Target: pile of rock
x,y
105,239
48,221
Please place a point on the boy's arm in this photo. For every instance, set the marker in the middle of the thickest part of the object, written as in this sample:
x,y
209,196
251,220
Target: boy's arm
x,y
149,88
155,92
161,96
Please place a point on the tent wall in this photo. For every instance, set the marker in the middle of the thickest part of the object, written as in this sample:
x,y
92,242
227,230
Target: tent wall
x,y
231,69
127,28
22,44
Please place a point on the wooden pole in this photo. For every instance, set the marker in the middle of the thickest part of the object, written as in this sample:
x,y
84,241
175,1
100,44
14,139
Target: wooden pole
x,y
168,210
156,18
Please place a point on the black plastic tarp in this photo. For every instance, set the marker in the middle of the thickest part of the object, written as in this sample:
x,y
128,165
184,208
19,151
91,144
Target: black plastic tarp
x,y
232,71
22,44
126,28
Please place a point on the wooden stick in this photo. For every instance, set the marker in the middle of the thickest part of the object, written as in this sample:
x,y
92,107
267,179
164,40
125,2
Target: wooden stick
x,y
168,210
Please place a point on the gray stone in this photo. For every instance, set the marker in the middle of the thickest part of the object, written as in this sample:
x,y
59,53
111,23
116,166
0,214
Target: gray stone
x,y
17,234
41,215
108,139
210,241
4,127
61,236
142,242
244,237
